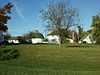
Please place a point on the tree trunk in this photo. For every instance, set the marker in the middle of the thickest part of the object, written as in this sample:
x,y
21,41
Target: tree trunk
x,y
59,42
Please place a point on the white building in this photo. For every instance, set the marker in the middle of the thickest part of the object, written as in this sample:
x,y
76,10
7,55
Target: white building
x,y
1,36
13,40
87,39
37,37
53,39
37,40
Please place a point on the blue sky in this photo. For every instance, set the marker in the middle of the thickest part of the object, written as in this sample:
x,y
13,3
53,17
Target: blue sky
x,y
25,14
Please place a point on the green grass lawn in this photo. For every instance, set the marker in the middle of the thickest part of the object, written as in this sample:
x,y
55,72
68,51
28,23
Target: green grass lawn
x,y
45,59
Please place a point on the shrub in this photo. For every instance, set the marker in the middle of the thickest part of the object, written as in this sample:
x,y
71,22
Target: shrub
x,y
7,54
64,40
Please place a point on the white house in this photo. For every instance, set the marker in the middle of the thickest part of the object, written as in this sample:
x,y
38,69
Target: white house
x,y
13,40
87,39
37,37
53,39
1,36
37,40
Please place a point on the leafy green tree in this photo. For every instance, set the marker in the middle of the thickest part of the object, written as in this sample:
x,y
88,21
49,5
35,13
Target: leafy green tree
x,y
89,31
80,32
4,11
6,36
96,28
58,16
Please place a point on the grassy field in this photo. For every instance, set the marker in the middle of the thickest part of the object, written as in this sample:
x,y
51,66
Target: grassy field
x,y
45,59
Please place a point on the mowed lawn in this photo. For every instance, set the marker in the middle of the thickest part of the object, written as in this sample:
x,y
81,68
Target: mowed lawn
x,y
46,59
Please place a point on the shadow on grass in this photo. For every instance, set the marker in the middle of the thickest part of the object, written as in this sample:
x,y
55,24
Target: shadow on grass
x,y
44,44
80,46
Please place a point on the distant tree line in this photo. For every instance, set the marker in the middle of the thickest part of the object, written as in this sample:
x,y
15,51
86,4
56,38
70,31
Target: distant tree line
x,y
31,34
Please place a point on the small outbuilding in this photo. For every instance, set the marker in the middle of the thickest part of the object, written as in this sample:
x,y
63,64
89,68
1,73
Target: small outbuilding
x,y
87,39
53,39
37,38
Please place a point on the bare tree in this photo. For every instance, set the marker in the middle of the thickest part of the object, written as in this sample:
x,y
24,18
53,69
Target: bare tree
x,y
58,16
